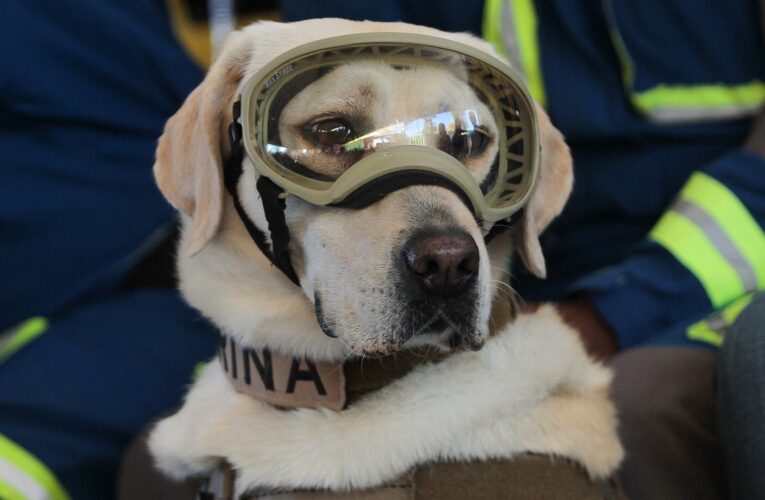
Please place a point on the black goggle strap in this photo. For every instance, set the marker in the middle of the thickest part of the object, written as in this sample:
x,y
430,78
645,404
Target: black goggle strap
x,y
497,229
379,188
270,196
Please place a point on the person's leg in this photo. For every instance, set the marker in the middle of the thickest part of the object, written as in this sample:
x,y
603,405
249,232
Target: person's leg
x,y
665,400
741,402
72,399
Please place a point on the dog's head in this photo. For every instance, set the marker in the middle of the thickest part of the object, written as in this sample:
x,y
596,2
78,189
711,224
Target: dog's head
x,y
409,269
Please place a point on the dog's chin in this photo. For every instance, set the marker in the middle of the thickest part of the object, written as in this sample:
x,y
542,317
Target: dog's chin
x,y
424,328
442,341
438,341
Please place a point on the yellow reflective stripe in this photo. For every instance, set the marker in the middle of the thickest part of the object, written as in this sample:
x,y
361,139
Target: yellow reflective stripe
x,y
198,369
733,311
748,95
732,216
675,103
492,25
704,331
16,338
8,492
525,21
32,467
498,15
691,247
625,60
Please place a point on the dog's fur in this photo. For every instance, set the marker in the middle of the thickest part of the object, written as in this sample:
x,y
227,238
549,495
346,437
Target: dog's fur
x,y
532,388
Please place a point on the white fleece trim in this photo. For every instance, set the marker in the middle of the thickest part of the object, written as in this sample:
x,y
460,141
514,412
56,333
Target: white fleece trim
x,y
532,388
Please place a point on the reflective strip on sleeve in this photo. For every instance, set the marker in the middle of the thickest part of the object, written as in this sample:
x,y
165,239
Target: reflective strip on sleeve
x,y
14,339
718,237
21,474
511,26
674,103
689,103
713,235
8,492
689,245
712,330
492,28
734,219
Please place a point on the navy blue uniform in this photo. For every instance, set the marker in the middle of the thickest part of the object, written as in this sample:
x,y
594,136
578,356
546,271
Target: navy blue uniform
x,y
85,90
663,231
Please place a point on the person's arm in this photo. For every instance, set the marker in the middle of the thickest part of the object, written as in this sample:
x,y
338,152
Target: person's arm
x,y
706,251
673,279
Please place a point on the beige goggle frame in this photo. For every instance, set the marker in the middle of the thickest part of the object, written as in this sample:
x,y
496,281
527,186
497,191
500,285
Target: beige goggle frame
x,y
516,121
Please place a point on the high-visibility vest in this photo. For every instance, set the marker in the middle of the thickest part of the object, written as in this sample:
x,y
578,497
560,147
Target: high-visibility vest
x,y
23,477
511,26
708,229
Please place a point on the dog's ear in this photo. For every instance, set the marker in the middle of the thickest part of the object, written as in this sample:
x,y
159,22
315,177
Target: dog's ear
x,y
188,167
552,190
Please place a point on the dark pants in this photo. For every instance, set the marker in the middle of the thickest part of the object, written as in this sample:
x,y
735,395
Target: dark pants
x,y
75,397
665,397
741,386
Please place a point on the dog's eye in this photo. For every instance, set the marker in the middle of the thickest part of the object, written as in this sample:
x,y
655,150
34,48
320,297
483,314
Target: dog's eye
x,y
331,132
469,143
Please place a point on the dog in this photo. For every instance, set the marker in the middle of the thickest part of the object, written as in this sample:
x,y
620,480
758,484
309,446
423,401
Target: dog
x,y
531,388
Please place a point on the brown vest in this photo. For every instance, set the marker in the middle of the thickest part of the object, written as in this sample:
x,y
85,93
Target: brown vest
x,y
526,477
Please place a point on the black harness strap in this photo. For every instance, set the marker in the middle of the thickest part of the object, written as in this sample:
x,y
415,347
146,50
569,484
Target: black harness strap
x,y
497,229
273,204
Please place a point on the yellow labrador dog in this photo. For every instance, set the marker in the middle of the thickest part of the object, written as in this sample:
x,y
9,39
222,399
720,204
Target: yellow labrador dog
x,y
531,388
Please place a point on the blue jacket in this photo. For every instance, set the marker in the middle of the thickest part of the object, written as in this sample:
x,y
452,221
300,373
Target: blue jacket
x,y
663,231
71,227
84,94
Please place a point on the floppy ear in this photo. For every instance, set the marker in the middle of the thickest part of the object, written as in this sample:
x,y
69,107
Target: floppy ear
x,y
552,190
188,166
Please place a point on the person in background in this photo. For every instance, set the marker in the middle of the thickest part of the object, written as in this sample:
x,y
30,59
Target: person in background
x,y
661,245
95,341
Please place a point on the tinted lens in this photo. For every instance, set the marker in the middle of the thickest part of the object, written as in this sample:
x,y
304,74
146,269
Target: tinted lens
x,y
317,116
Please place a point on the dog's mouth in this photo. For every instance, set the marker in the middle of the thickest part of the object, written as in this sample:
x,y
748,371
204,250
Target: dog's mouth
x,y
444,333
421,325
323,324
449,326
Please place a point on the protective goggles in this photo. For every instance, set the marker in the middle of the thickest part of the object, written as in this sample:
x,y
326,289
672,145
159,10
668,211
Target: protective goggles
x,y
344,121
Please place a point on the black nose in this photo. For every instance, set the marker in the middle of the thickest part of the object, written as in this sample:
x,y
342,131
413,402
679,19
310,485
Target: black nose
x,y
443,261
